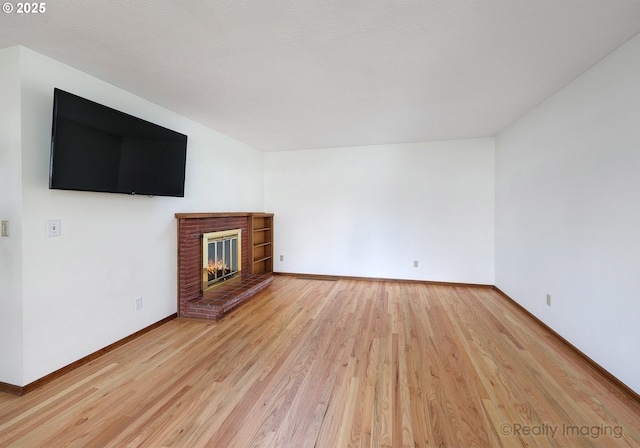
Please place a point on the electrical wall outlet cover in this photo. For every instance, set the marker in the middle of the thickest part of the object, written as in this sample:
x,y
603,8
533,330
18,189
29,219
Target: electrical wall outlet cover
x,y
415,263
5,228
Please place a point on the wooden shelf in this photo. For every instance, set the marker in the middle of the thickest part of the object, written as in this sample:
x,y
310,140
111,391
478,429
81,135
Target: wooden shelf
x,y
204,215
261,243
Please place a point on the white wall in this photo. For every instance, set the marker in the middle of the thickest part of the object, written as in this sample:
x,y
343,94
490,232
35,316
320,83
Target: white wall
x,y
10,210
371,211
568,212
78,290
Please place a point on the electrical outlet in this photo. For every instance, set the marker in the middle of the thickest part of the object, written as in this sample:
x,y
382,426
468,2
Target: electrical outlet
x,y
138,303
5,228
549,299
281,257
415,263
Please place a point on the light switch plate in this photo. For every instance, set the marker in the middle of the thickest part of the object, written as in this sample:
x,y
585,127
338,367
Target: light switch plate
x,y
5,228
54,227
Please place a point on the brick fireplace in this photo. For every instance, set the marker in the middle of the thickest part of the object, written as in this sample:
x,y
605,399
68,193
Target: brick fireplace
x,y
217,301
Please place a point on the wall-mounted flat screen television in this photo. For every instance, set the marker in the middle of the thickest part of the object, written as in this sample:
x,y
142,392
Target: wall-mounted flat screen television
x,y
96,148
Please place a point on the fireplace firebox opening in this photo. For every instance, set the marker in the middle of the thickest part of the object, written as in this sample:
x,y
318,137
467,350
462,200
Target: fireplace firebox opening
x,y
221,257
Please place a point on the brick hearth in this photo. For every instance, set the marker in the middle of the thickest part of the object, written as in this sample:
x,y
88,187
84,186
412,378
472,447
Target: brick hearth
x,y
222,299
230,294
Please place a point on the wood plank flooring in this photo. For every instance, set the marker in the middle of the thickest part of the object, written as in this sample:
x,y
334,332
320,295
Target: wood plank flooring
x,y
347,363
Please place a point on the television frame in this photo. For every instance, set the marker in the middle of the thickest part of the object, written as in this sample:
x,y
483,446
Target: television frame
x,y
100,149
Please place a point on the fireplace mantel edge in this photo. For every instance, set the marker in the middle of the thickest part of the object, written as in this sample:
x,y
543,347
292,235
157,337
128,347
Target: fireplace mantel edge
x,y
217,215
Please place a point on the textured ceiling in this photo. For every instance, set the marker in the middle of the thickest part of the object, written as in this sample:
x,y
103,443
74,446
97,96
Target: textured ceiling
x,y
295,74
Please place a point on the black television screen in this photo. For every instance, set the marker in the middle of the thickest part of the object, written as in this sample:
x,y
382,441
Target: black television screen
x,y
96,148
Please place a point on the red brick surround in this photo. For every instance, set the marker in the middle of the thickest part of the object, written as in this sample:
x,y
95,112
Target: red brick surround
x,y
191,226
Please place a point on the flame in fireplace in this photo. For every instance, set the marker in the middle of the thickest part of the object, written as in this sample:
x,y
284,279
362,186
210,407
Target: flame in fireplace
x,y
217,269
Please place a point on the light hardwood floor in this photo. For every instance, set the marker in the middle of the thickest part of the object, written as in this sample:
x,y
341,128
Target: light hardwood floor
x,y
313,363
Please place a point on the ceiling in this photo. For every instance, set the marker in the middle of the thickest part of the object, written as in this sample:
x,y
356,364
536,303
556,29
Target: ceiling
x,y
298,74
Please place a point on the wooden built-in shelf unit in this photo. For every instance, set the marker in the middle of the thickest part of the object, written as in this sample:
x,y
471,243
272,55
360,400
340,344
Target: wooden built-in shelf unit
x,y
261,243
